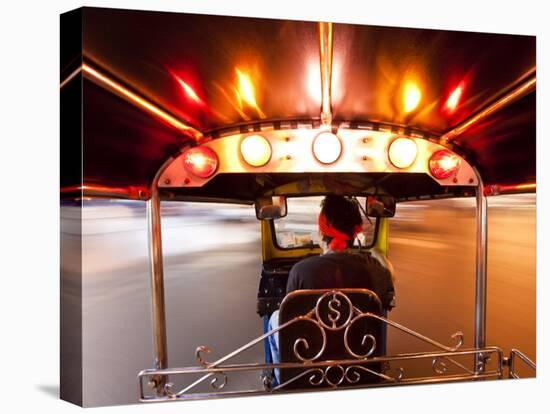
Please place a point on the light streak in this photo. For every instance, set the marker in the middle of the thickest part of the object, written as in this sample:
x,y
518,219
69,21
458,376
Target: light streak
x,y
108,83
411,96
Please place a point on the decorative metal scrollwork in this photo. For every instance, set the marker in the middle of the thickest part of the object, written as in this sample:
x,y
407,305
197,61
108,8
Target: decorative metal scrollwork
x,y
305,344
439,366
341,372
459,336
352,370
312,380
367,337
214,383
400,374
336,375
356,371
199,357
338,319
340,314
333,311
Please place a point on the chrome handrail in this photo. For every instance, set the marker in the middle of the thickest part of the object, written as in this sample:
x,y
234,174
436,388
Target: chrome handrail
x,y
343,372
219,375
511,362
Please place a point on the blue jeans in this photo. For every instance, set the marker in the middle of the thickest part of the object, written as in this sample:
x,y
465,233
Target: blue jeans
x,y
274,344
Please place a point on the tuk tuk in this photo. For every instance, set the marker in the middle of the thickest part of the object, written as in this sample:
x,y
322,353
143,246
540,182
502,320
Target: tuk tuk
x,y
452,132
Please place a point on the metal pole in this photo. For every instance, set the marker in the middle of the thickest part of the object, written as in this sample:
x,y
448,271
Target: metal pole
x,y
325,56
481,274
135,98
157,287
520,91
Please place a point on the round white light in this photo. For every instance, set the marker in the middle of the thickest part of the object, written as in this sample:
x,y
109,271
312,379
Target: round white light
x,y
327,147
256,150
402,152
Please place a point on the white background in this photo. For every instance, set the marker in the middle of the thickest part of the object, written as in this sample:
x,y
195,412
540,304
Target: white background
x,y
29,212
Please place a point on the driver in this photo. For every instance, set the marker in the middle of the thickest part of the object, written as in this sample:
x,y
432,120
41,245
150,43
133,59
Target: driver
x,y
339,266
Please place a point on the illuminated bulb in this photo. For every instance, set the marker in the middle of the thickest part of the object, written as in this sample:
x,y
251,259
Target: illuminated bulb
x,y
411,96
444,164
256,150
200,161
327,147
402,152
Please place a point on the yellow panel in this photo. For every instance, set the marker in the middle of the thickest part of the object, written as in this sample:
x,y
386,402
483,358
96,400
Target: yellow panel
x,y
270,251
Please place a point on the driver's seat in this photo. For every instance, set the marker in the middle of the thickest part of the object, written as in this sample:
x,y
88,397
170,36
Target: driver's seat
x,y
329,312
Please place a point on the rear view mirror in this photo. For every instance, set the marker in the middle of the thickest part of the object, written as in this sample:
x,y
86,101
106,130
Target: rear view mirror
x,y
380,206
270,208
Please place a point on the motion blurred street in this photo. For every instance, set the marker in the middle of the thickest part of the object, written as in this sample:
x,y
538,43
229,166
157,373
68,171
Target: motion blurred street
x,y
212,266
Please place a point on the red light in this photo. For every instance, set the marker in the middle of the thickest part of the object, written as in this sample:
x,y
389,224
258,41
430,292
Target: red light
x,y
444,164
189,91
454,99
200,161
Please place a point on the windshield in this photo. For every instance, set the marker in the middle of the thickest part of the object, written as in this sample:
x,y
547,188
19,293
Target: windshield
x,y
299,228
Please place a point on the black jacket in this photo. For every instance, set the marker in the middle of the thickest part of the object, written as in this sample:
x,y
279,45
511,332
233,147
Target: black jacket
x,y
343,270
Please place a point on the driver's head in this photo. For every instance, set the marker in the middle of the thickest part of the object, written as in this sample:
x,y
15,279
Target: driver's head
x,y
339,221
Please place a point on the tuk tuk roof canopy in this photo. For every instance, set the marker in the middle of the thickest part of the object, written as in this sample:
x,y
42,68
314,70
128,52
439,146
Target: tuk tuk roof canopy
x,y
154,81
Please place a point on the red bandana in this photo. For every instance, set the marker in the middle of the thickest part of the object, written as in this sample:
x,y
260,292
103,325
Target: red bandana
x,y
339,239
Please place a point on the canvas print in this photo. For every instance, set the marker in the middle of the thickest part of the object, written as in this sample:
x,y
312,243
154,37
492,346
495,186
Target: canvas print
x,y
253,206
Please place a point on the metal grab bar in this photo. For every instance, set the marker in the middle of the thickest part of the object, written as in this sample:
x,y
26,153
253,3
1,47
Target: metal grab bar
x,y
219,375
512,362
347,371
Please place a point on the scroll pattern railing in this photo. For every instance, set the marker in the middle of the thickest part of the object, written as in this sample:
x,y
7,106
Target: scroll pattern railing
x,y
320,373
